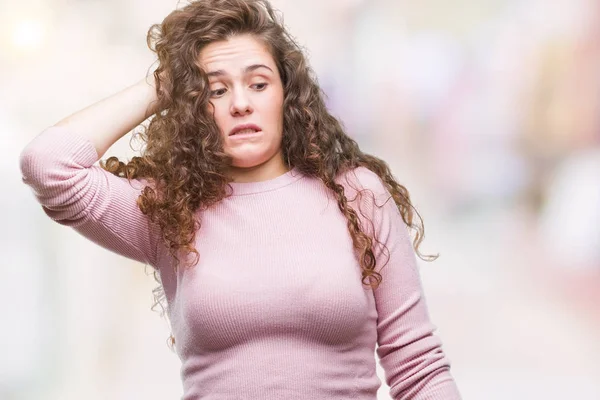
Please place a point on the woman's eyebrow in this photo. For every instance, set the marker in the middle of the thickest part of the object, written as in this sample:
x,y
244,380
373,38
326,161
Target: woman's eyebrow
x,y
247,70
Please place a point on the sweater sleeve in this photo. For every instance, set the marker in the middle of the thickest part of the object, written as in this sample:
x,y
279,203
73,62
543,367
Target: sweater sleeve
x,y
410,354
58,166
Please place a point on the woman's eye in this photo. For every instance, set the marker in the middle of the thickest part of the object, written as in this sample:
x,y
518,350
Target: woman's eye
x,y
262,86
220,92
217,92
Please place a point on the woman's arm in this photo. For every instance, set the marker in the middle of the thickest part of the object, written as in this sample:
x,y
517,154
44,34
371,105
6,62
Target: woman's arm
x,y
409,351
105,122
58,165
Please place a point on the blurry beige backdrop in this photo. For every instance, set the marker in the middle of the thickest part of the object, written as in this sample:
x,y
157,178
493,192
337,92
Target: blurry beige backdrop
x,y
488,111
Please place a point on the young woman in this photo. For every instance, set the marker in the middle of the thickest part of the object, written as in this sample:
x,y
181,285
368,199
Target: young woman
x,y
268,228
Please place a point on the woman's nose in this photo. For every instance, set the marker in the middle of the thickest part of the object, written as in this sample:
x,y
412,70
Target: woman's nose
x,y
240,103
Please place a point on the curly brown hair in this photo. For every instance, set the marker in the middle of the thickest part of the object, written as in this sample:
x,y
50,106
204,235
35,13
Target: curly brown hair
x,y
184,158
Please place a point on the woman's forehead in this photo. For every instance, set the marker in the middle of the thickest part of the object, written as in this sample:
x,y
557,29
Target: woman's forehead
x,y
238,55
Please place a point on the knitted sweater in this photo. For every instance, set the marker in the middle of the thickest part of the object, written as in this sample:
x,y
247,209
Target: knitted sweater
x,y
275,307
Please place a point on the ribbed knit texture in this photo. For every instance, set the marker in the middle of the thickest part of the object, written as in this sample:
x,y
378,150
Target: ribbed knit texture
x,y
275,308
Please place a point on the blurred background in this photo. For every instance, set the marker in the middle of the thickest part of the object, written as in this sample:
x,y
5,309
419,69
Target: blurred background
x,y
488,111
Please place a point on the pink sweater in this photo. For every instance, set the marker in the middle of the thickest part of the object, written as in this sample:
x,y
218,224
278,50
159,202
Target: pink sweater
x,y
275,309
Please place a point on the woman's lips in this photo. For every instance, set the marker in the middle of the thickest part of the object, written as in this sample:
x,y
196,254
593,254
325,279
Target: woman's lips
x,y
239,136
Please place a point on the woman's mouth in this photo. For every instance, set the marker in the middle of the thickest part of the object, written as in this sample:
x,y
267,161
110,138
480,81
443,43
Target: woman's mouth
x,y
245,134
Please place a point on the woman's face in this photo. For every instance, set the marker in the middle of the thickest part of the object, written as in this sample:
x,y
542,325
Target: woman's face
x,y
246,89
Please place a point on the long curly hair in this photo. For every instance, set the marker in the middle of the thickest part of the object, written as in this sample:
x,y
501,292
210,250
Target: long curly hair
x,y
184,158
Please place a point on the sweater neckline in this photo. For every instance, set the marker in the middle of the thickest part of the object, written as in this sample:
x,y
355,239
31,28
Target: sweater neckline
x,y
243,188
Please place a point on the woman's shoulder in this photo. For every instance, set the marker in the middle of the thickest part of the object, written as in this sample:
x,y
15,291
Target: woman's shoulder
x,y
361,178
